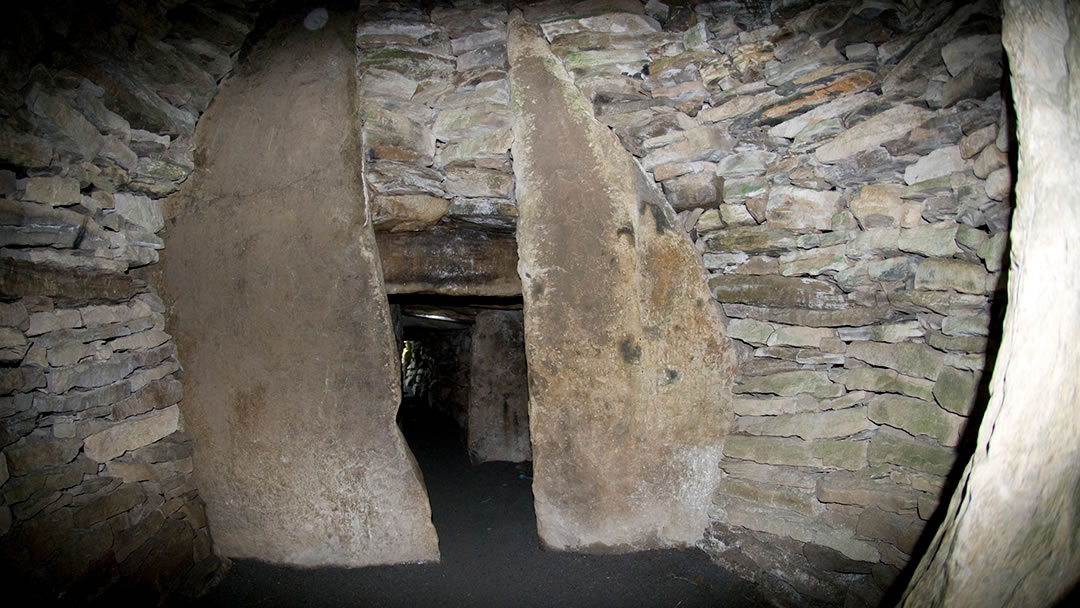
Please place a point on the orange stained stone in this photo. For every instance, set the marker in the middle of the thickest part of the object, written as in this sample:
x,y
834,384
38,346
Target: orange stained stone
x,y
850,83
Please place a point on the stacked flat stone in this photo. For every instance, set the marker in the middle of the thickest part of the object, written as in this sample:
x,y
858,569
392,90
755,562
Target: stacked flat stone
x,y
434,109
96,476
849,189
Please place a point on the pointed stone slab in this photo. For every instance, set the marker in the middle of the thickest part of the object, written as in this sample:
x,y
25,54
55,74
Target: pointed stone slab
x,y
629,369
278,307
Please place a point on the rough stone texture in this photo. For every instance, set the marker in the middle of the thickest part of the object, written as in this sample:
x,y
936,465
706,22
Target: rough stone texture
x,y
498,423
1011,538
346,491
453,262
628,363
861,226
131,434
888,125
402,212
85,377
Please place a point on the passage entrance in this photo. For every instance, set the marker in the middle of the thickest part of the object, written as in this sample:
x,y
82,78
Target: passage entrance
x,y
463,362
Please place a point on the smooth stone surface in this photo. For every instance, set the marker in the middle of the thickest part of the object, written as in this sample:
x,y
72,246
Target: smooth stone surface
x,y
407,211
941,274
131,434
1000,538
778,291
938,240
956,391
907,358
801,208
648,367
816,425
940,162
917,417
894,446
346,491
498,391
883,381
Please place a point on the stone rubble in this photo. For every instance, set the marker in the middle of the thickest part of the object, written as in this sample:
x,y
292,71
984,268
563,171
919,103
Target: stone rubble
x,y
96,484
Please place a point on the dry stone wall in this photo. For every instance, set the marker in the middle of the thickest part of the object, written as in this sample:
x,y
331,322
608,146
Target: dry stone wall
x,y
96,122
844,170
434,105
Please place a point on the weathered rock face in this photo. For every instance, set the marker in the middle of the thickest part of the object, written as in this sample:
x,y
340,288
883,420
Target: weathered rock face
x,y
459,261
498,424
628,363
277,302
96,488
1011,538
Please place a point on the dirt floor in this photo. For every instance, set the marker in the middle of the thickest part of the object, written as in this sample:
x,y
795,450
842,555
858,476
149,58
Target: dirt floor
x,y
491,555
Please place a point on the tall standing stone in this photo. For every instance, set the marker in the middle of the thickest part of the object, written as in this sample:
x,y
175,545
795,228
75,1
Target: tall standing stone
x,y
277,305
498,390
629,370
1011,538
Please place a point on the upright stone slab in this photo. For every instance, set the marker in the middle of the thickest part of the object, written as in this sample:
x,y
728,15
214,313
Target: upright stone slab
x,y
629,371
499,390
277,305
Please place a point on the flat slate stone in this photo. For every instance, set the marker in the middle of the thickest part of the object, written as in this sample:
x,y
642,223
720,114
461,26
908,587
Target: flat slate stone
x,y
814,425
956,391
917,417
784,383
802,208
792,451
766,290
941,274
887,125
397,212
907,358
893,446
471,122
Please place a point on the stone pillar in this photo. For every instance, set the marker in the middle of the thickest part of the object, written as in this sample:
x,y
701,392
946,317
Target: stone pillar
x,y
1011,536
499,390
629,371
276,300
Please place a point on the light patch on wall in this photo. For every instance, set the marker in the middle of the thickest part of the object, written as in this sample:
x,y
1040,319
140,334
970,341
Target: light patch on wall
x,y
316,19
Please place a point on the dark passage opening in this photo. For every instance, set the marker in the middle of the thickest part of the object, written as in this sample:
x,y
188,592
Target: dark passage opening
x,y
463,376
